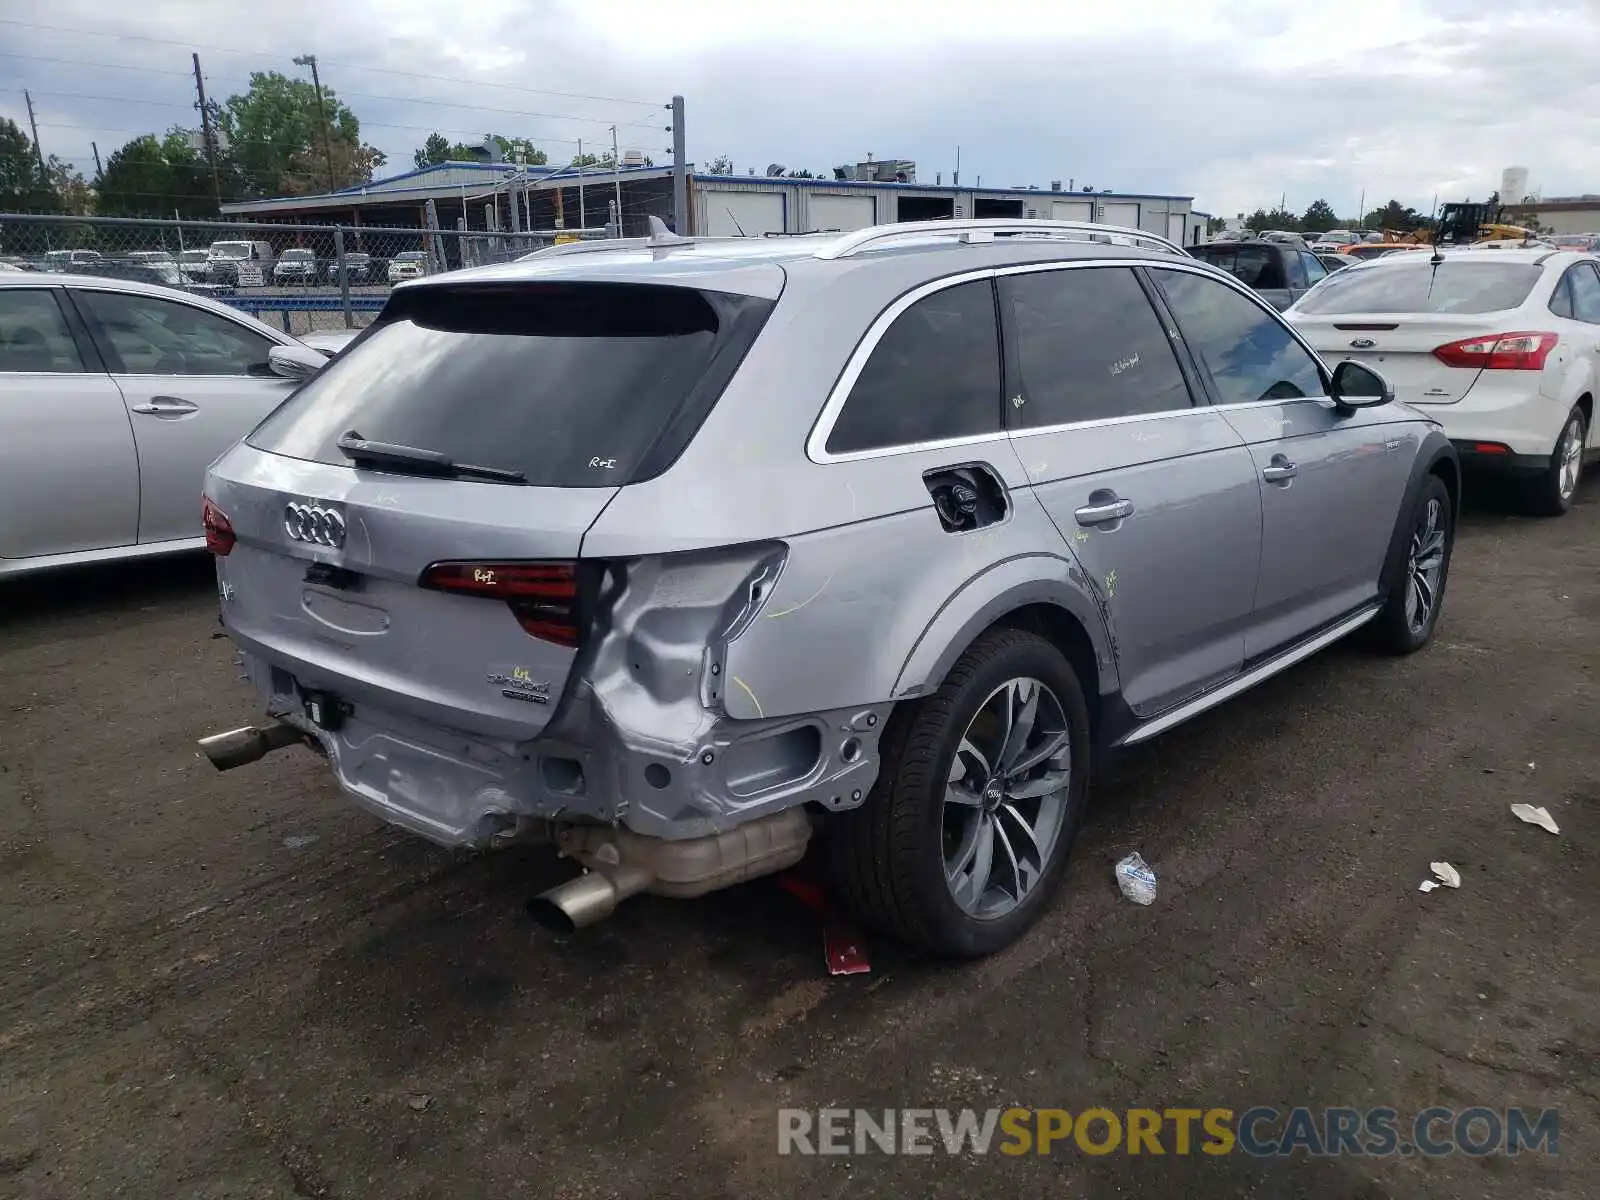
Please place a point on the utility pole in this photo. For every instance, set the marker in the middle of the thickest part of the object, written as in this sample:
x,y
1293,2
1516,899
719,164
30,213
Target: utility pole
x,y
955,179
583,217
680,176
34,125
98,172
616,171
1361,208
206,133
310,60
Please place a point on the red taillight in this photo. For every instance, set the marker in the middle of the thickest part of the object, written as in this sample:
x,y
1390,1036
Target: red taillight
x,y
1490,448
1499,352
543,596
219,530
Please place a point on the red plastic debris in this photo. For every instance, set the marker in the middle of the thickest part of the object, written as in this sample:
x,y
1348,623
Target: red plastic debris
x,y
843,947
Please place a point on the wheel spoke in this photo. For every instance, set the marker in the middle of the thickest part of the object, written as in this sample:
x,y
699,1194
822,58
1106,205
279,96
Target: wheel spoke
x,y
969,750
968,891
1028,839
1019,884
1044,752
963,797
1021,728
1033,789
1413,603
1424,591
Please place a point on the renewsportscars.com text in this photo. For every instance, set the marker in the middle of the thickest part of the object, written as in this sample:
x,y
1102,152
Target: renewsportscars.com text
x,y
1259,1132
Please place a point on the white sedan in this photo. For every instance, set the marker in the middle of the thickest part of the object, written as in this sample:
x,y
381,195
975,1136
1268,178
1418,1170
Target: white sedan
x,y
1502,349
114,398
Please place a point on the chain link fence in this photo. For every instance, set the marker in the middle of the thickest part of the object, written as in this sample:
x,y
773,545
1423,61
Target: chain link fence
x,y
297,277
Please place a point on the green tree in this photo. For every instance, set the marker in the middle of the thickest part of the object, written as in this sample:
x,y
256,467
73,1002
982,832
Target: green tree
x,y
439,149
22,187
435,150
1215,225
1396,216
155,177
720,165
1319,217
275,134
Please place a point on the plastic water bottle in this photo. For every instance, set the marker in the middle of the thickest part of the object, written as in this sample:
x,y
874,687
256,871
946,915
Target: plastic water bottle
x,y
1137,880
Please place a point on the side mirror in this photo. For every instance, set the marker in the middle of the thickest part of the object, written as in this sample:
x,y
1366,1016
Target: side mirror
x,y
295,362
1358,386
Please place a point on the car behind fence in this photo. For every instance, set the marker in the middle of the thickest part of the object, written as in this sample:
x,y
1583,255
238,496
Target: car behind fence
x,y
300,277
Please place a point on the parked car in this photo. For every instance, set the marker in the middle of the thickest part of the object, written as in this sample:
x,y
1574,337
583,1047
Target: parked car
x,y
1333,239
329,341
1366,251
149,256
241,263
1333,261
1502,349
295,267
195,265
1281,272
357,269
700,592
408,264
114,395
1587,242
69,260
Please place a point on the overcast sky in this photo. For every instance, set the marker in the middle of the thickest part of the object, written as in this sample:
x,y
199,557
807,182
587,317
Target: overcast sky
x,y
1235,102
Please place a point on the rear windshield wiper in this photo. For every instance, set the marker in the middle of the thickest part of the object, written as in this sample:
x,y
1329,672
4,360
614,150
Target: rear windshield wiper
x,y
412,460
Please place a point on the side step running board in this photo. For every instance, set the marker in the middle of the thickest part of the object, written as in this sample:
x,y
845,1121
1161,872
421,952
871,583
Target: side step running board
x,y
1266,670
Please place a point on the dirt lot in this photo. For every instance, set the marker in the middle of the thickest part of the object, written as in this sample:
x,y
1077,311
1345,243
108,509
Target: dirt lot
x,y
237,985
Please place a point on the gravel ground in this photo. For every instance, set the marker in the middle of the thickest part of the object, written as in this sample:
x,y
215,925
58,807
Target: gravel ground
x,y
239,986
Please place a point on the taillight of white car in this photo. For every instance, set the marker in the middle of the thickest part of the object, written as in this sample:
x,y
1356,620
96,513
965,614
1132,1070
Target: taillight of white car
x,y
1499,351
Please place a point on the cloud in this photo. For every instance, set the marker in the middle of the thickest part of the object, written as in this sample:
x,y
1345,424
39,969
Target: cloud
x,y
1237,104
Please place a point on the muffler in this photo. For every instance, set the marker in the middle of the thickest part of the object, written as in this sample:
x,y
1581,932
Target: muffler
x,y
622,863
240,746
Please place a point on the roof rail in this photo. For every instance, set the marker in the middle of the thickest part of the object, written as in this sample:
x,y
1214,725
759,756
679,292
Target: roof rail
x,y
987,229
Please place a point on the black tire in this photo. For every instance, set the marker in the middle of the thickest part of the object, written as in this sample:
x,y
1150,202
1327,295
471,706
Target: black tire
x,y
1394,631
1545,492
888,855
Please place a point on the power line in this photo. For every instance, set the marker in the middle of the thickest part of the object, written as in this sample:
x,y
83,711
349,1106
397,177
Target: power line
x,y
537,137
134,37
364,96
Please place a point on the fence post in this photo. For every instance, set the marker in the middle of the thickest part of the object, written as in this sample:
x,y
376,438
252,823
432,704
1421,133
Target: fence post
x,y
344,278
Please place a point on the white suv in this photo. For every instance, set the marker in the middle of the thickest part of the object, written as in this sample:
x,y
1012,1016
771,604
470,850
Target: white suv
x,y
1502,349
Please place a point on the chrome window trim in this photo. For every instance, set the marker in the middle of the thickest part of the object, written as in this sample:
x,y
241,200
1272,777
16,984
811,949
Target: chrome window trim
x,y
817,440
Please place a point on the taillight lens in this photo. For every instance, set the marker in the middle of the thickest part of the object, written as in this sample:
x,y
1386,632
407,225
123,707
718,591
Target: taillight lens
x,y
219,530
543,596
1499,352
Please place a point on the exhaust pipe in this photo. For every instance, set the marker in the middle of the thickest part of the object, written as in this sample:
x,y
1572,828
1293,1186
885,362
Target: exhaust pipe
x,y
591,897
623,863
240,746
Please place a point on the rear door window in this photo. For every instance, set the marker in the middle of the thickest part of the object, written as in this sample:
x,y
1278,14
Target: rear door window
x,y
1315,271
1463,283
570,384
1085,345
1249,353
934,375
146,335
1585,286
34,336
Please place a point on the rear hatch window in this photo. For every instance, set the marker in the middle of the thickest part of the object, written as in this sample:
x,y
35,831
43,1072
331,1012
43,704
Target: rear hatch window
x,y
565,384
1453,286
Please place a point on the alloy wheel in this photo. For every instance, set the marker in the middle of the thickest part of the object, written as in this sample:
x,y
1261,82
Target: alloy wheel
x,y
1569,454
1006,797
1425,566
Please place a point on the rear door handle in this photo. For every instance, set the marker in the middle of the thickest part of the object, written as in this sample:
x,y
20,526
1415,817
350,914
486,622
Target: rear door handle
x,y
1279,470
166,406
1104,513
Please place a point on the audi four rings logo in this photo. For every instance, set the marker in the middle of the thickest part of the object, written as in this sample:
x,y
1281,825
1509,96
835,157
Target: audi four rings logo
x,y
1362,343
313,523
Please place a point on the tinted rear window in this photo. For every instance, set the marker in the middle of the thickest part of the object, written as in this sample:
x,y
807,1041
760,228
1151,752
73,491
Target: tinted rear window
x,y
1455,286
573,385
